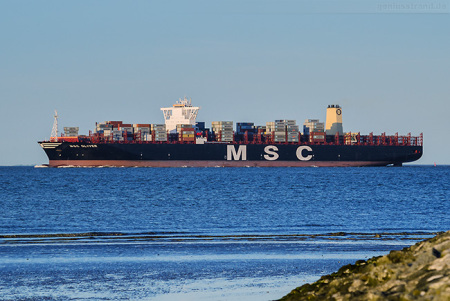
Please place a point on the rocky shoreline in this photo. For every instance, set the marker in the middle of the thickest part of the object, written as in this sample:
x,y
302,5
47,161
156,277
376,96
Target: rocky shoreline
x,y
419,272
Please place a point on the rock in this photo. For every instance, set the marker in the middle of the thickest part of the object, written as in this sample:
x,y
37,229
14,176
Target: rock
x,y
420,272
436,253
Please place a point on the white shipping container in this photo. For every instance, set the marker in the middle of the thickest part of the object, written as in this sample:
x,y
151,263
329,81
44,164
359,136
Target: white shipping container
x,y
223,122
224,133
230,129
222,125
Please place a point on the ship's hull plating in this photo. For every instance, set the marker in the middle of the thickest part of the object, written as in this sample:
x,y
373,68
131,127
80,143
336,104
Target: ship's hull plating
x,y
225,155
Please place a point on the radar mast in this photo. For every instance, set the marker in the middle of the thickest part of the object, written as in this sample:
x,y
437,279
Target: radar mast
x,y
54,134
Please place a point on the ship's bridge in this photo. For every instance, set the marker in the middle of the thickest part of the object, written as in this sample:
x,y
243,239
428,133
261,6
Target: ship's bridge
x,y
182,112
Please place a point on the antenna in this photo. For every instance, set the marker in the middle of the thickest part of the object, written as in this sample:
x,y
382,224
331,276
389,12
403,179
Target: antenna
x,y
54,134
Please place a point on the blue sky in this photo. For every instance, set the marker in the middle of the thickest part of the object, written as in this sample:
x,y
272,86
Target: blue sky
x,y
257,61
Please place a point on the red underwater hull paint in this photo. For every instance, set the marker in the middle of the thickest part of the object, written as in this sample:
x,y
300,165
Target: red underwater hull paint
x,y
201,163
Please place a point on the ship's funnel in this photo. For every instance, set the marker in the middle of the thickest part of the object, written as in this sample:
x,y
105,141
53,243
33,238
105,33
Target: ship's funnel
x,y
334,120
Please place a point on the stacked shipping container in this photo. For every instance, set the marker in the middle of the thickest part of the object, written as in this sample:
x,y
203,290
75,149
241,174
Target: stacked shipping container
x,y
278,131
159,132
242,127
284,130
292,132
142,132
312,125
223,130
71,131
317,137
119,131
270,127
186,132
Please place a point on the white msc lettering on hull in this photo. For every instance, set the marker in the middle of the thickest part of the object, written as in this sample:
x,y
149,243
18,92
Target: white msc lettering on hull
x,y
241,153
299,153
271,151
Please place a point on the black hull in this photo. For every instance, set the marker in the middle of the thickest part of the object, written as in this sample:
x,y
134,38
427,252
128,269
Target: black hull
x,y
226,155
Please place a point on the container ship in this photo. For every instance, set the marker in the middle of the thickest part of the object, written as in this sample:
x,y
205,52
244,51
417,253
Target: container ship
x,y
181,141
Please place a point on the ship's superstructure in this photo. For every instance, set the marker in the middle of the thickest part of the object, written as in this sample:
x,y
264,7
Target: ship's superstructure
x,y
181,141
182,112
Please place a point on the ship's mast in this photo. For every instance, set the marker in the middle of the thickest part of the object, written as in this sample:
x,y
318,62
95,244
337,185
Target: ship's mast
x,y
54,134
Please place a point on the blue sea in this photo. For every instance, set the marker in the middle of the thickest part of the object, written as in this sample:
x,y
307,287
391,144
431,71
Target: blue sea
x,y
204,233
